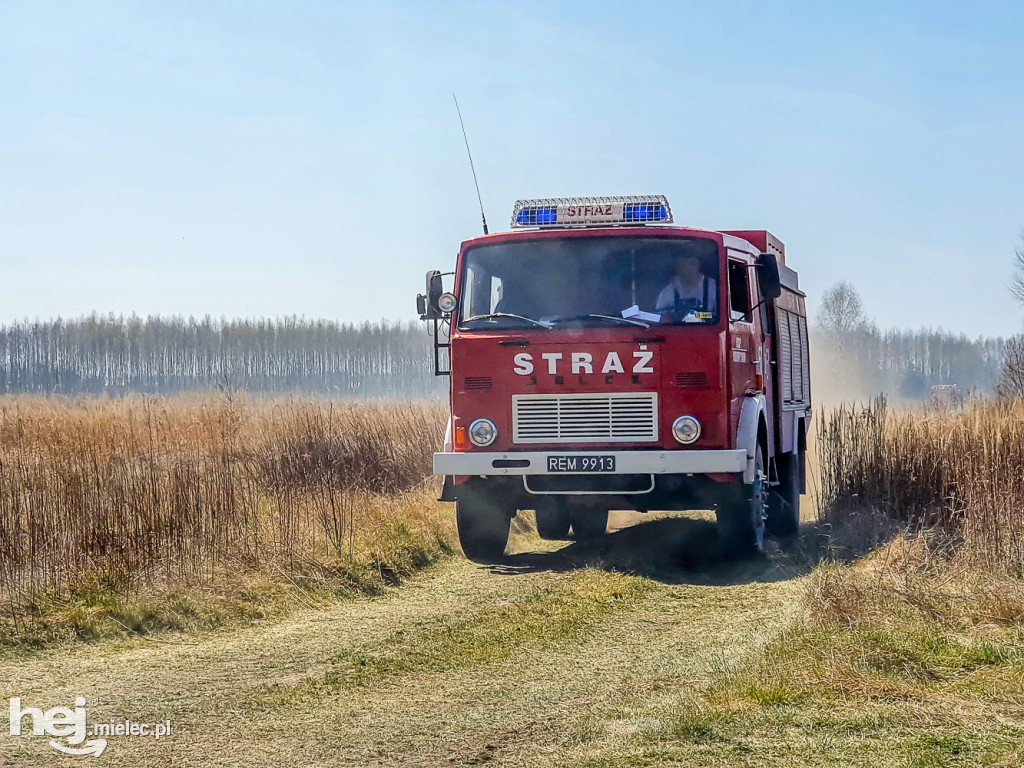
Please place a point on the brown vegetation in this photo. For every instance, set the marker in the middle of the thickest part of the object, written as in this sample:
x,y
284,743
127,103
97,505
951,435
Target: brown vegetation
x,y
103,496
955,472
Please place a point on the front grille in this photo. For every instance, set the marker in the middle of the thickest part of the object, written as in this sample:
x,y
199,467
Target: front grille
x,y
691,379
621,417
477,382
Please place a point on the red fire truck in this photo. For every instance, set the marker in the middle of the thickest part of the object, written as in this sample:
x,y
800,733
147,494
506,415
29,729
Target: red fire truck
x,y
603,358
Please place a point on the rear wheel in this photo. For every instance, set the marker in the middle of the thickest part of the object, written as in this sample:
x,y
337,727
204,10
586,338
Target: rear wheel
x,y
589,523
784,502
552,518
483,525
741,515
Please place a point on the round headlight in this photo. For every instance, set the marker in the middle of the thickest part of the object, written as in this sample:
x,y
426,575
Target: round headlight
x,y
686,430
446,302
482,432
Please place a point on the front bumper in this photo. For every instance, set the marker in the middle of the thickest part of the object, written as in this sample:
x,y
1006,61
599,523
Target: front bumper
x,y
483,463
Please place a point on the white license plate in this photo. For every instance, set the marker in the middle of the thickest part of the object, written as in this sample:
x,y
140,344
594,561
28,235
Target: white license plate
x,y
580,463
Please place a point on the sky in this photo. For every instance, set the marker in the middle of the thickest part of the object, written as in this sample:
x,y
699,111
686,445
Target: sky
x,y
267,159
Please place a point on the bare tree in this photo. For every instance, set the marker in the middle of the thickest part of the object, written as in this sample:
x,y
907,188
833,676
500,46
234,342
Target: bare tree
x,y
1011,377
1017,284
841,310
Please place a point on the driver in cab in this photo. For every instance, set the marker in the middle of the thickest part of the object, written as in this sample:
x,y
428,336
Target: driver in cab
x,y
689,289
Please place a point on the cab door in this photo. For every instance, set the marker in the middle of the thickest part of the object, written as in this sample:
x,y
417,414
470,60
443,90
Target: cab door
x,y
744,357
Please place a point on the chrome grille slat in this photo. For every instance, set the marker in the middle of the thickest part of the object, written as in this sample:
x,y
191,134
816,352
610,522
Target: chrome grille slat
x,y
585,418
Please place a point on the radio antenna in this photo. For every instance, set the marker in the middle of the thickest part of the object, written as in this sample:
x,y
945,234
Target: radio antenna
x,y
479,199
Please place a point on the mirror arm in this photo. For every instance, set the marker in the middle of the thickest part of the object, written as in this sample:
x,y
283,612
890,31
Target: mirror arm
x,y
762,301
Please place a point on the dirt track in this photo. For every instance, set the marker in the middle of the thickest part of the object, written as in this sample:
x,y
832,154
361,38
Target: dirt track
x,y
555,657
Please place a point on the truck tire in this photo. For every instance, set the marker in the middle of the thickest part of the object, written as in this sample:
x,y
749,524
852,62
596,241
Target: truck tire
x,y
483,525
589,523
784,502
741,514
552,519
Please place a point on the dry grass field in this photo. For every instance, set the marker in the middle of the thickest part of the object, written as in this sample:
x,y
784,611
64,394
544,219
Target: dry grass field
x,y
139,513
891,633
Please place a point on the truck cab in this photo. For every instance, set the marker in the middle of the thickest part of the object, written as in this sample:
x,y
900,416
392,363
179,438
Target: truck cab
x,y
601,357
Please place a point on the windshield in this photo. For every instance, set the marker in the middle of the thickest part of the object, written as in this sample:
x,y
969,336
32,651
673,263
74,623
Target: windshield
x,y
590,281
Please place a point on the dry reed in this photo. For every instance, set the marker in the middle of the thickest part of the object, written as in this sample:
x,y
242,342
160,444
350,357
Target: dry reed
x,y
958,472
141,490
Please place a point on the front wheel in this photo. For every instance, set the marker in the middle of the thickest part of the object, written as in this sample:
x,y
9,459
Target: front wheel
x,y
483,525
741,514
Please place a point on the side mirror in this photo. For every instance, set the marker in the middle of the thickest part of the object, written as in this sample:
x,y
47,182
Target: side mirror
x,y
426,304
768,281
433,306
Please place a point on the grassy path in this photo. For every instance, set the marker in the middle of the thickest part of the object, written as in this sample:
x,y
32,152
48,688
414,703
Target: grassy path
x,y
554,658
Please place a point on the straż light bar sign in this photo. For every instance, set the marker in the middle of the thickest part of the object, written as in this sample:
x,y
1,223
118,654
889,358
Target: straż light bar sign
x,y
577,211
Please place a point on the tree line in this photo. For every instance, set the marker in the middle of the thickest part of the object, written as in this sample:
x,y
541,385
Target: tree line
x,y
852,357
115,354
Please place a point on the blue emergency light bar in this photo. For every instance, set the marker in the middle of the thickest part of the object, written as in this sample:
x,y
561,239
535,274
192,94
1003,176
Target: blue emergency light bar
x,y
592,211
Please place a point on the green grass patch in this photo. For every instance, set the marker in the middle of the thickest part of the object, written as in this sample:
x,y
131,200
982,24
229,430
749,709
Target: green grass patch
x,y
534,620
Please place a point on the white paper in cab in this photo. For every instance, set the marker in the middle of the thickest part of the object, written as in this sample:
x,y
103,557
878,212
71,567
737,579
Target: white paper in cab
x,y
635,313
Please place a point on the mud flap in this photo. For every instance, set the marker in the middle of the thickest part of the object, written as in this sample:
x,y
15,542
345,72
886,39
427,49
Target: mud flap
x,y
448,490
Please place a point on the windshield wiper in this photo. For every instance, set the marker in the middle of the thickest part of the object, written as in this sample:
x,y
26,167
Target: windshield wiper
x,y
493,315
626,320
